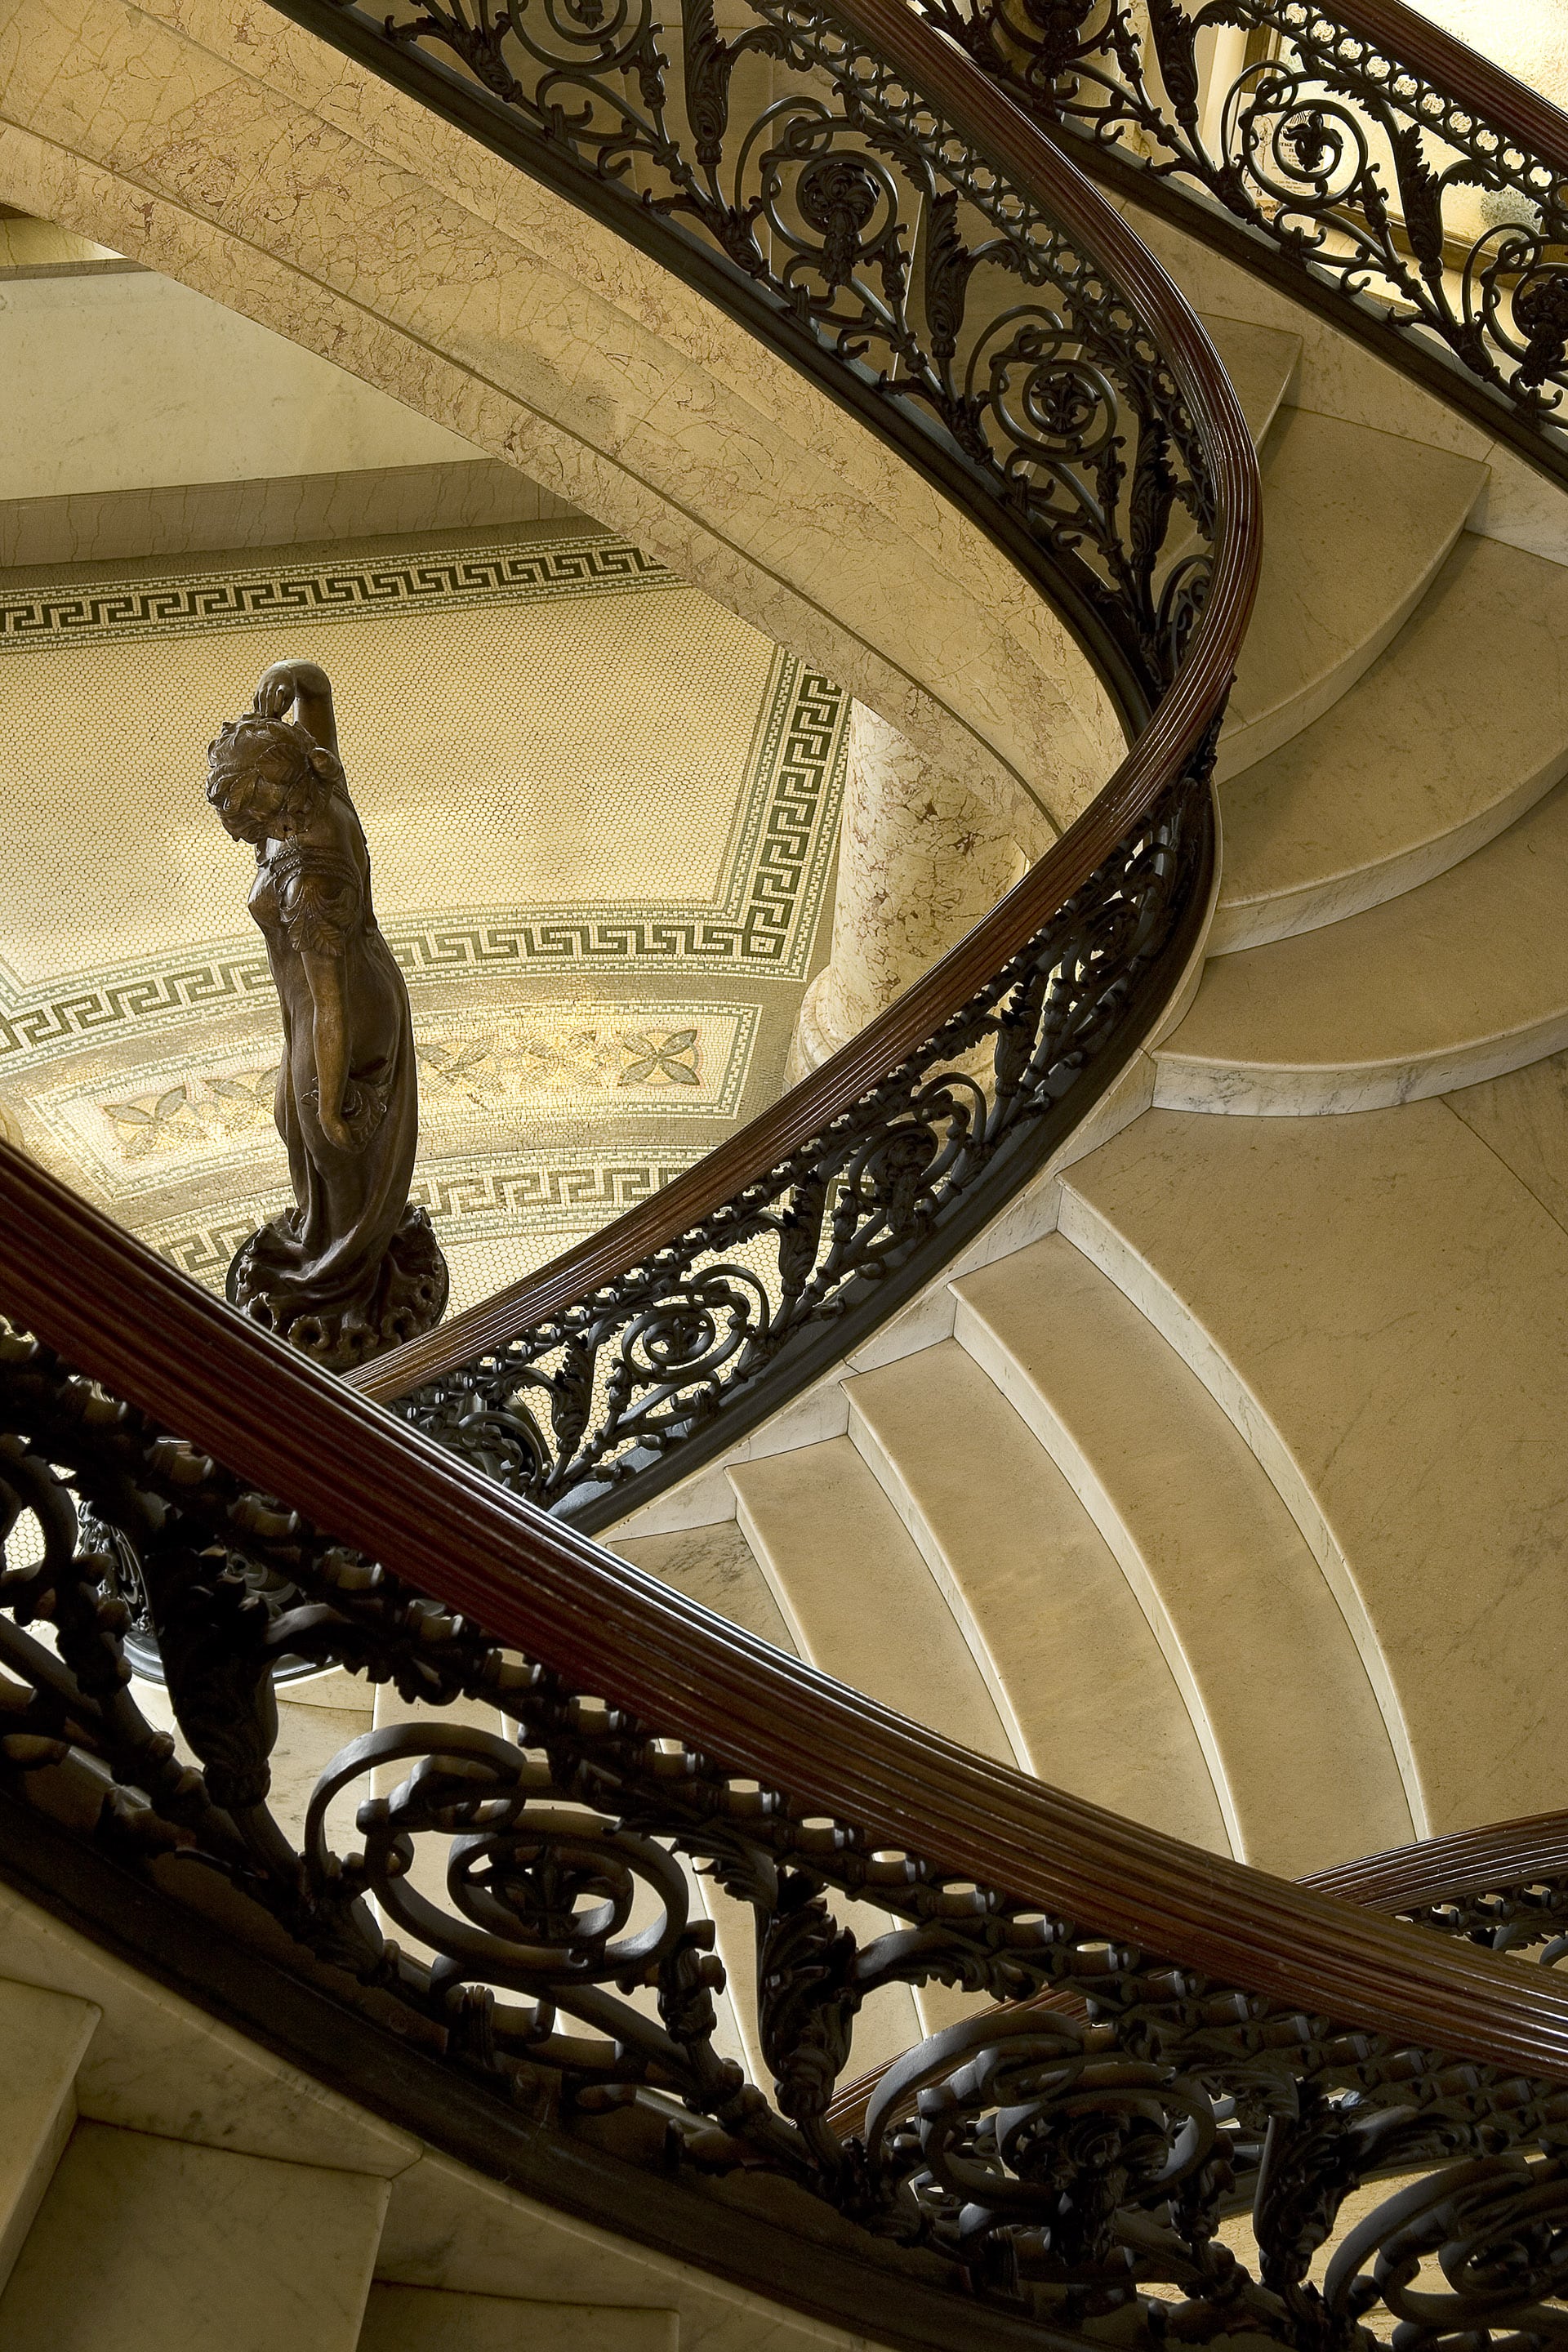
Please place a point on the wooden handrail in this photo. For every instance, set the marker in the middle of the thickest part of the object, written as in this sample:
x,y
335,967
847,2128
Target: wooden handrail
x,y
1403,1878
120,1314
1494,96
1439,1870
986,116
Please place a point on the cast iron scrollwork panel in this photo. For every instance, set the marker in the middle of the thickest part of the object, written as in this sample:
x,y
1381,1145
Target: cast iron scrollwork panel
x,y
571,1410
790,156
535,1906
1351,164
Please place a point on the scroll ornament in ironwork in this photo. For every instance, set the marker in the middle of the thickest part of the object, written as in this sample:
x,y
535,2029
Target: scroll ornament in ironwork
x,y
526,1903
1348,162
790,156
569,1411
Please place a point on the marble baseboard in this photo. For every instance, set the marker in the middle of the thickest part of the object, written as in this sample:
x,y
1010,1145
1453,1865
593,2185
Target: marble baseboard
x,y
202,518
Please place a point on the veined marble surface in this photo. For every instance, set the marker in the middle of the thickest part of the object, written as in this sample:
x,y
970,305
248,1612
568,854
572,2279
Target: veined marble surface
x,y
1381,1306
1357,524
234,153
1431,754
44,2037
1451,983
147,2244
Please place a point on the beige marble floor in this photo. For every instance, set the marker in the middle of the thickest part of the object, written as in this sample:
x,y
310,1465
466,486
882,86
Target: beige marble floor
x,y
601,813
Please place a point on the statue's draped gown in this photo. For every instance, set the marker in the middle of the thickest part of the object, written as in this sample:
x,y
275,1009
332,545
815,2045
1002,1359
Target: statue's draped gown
x,y
329,1256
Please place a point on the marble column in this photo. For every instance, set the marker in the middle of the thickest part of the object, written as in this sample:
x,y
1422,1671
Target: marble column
x,y
920,862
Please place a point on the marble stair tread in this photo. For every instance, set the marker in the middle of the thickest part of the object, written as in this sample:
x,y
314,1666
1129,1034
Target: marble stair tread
x,y
143,2244
44,2037
431,2320
1523,1118
1381,1306
1430,754
1305,1767
1357,523
858,1597
1261,362
1067,1651
1446,986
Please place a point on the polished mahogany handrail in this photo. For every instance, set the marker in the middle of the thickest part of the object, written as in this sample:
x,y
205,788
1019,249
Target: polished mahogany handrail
x,y
984,113
152,1335
1440,1870
1427,1873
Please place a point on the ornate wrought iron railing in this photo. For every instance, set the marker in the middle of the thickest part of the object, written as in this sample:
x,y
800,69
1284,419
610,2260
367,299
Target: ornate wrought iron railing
x,y
848,184
1217,2043
1352,152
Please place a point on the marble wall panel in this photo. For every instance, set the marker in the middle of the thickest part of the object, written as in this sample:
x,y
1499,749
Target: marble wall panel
x,y
236,154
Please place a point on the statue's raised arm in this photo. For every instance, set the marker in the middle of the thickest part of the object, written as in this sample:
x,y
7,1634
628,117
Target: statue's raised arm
x,y
352,1267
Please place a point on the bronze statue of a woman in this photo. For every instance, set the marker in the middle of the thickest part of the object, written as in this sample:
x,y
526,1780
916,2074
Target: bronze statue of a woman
x,y
351,1268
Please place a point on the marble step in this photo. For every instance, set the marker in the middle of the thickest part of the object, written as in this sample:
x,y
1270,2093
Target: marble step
x,y
1069,1654
857,1596
44,2037
1303,1763
1261,362
1451,734
1357,525
429,2319
857,1601
1379,1303
145,2244
1449,985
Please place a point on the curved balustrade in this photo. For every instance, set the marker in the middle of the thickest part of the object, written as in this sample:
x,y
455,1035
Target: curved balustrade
x,y
1506,1884
1220,2037
1353,151
852,188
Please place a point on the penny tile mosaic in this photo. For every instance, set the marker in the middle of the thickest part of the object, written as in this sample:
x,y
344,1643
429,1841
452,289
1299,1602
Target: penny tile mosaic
x,y
601,812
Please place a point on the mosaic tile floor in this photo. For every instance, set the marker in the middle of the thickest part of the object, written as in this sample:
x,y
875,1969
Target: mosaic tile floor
x,y
601,814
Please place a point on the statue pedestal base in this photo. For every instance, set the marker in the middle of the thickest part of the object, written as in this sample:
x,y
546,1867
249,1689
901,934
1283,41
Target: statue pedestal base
x,y
406,1298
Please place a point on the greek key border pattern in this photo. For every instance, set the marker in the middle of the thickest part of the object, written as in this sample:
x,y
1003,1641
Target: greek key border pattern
x,y
468,1200
454,579
782,867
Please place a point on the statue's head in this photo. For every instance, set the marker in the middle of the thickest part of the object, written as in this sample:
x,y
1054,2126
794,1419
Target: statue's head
x,y
267,778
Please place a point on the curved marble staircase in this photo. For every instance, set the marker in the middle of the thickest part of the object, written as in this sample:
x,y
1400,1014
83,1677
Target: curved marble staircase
x,y
1223,1482
167,2182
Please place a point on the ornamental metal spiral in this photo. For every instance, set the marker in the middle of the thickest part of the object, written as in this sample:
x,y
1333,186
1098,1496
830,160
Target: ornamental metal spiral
x,y
785,163
581,1412
537,1906
1379,187
790,161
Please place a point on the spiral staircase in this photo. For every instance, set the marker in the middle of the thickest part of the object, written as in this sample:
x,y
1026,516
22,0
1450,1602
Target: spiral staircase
x,y
1269,1362
996,1663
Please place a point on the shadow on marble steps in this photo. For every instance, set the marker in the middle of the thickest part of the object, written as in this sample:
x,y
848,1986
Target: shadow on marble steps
x,y
1357,524
1379,1306
1261,363
1457,729
168,2185
1460,979
1275,1391
426,2319
1064,1546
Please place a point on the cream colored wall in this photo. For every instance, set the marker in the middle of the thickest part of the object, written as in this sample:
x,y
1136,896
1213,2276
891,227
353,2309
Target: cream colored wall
x,y
28,244
1526,37
229,149
125,381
